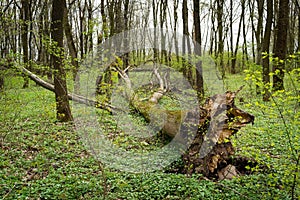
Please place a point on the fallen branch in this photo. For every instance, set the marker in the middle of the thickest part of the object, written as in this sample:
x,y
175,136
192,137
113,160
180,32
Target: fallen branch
x,y
71,96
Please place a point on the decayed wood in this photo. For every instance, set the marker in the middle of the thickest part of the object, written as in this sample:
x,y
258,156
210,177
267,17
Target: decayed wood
x,y
216,121
151,112
211,147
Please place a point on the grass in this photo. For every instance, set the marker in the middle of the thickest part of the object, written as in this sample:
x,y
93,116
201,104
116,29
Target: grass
x,y
43,159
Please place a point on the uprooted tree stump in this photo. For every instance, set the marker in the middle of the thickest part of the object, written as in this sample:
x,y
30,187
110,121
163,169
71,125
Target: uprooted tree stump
x,y
213,124
210,150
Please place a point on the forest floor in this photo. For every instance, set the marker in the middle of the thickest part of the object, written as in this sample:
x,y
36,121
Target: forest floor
x,y
43,159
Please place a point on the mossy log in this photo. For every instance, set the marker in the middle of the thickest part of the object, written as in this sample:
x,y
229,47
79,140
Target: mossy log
x,y
214,123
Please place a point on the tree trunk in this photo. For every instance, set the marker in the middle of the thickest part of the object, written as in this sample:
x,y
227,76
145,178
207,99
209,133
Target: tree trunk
x,y
126,36
199,72
233,71
266,49
220,52
233,64
82,29
90,26
186,69
281,45
24,35
298,36
63,111
259,29
155,21
72,50
251,12
245,49
175,30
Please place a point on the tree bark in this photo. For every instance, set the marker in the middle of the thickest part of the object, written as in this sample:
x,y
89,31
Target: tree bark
x,y
281,45
233,64
266,49
72,49
220,52
198,52
186,48
24,36
231,38
212,148
298,15
63,111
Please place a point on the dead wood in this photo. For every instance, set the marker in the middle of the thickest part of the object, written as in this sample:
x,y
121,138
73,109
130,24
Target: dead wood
x,y
214,123
211,147
71,96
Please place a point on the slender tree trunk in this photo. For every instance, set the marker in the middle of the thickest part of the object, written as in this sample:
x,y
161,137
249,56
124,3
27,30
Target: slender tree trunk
x,y
281,44
291,30
259,29
298,36
104,33
24,36
231,38
163,14
82,29
220,4
245,50
275,21
251,10
199,71
266,49
175,29
63,111
72,49
186,44
155,16
126,35
90,26
233,67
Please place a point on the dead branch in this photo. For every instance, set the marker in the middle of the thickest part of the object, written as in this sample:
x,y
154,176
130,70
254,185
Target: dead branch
x,y
71,96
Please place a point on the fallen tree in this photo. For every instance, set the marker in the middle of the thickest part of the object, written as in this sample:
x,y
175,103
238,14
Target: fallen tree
x,y
211,125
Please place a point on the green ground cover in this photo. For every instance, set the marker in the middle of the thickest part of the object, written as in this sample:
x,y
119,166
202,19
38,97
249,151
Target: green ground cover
x,y
43,159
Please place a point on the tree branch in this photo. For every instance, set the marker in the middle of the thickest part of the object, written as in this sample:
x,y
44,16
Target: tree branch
x,y
71,96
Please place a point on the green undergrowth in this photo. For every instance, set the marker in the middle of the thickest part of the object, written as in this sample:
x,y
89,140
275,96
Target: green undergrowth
x,y
43,159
